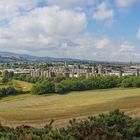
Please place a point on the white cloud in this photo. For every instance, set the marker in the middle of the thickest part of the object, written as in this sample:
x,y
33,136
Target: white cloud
x,y
125,3
126,47
59,30
42,29
12,8
50,21
84,46
71,3
103,12
102,43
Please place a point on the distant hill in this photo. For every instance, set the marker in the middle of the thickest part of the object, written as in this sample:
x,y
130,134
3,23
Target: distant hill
x,y
13,57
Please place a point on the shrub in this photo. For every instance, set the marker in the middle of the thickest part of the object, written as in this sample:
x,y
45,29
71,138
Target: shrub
x,y
128,82
113,126
136,82
9,91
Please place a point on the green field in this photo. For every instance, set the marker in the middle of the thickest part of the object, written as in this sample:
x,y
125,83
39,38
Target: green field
x,y
25,86
37,110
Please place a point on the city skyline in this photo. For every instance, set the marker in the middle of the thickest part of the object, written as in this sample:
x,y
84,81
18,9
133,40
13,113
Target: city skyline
x,y
103,30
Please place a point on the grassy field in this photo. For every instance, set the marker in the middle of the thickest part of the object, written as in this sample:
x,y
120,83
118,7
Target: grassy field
x,y
21,84
37,110
25,86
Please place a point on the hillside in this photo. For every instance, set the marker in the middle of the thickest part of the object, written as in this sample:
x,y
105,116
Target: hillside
x,y
37,110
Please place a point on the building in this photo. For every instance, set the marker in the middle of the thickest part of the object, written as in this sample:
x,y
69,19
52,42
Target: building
x,y
100,70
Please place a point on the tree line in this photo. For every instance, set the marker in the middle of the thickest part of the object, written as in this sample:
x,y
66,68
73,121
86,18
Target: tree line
x,y
28,78
81,84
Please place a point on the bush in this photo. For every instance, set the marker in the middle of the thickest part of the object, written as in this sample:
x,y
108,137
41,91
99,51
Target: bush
x,y
136,82
113,126
9,91
59,88
127,82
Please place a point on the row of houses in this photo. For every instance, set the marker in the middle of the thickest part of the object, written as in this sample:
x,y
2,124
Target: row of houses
x,y
87,72
78,72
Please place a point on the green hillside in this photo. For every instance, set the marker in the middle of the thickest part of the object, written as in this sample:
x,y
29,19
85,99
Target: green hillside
x,y
37,110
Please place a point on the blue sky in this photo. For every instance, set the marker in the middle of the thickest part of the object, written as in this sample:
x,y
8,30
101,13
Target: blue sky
x,y
86,29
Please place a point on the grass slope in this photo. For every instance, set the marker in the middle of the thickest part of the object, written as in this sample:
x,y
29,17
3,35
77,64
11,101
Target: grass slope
x,y
25,86
37,110
21,84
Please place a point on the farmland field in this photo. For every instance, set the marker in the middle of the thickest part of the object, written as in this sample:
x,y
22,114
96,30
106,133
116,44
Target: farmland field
x,y
37,110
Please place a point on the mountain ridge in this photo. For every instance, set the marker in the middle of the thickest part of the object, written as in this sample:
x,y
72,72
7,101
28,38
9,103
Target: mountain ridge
x,y
13,57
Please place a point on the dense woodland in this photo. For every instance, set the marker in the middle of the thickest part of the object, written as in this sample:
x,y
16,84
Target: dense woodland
x,y
112,126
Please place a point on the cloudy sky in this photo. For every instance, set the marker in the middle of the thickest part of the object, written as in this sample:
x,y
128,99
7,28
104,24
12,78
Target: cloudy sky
x,y
87,29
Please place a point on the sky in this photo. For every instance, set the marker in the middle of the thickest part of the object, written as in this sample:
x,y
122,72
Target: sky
x,y
101,30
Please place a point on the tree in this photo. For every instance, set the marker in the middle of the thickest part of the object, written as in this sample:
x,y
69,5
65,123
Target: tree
x,y
5,73
7,76
59,78
0,73
59,88
10,74
127,82
5,80
43,87
136,82
9,91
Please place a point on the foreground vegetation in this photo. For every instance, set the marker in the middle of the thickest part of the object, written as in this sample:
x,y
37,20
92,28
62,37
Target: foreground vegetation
x,y
113,126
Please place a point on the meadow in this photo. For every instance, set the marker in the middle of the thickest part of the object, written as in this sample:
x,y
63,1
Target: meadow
x,y
37,110
25,86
